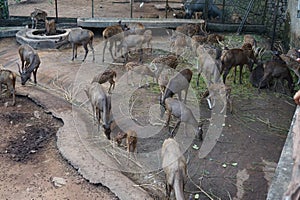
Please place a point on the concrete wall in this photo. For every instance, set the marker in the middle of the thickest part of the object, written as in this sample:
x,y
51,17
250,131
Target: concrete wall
x,y
294,23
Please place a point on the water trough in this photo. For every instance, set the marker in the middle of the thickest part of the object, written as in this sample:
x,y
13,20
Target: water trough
x,y
37,38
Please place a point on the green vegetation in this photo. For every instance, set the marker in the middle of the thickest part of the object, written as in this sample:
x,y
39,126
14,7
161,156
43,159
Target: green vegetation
x,y
4,14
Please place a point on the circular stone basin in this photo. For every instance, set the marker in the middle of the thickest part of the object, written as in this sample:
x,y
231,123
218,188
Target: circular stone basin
x,y
37,39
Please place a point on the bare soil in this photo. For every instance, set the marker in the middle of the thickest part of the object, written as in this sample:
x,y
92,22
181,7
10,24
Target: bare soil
x,y
241,165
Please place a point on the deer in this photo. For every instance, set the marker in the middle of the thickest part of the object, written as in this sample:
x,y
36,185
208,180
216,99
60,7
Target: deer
x,y
180,44
236,18
141,69
292,64
107,75
113,34
37,15
101,106
163,80
136,28
148,39
175,168
276,68
129,42
237,57
251,40
32,61
164,62
190,29
50,27
184,114
181,81
214,38
222,92
82,37
131,141
198,40
8,78
209,63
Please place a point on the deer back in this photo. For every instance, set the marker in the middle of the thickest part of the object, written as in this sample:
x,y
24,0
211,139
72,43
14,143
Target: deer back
x,y
111,31
80,36
177,83
174,166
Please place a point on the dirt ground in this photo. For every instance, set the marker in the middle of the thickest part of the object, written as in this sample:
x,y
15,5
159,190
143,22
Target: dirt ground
x,y
241,165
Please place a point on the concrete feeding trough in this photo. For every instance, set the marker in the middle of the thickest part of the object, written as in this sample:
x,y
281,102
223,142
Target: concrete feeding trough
x,y
37,38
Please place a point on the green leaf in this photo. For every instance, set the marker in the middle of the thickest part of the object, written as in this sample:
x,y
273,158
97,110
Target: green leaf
x,y
197,196
196,147
234,164
224,165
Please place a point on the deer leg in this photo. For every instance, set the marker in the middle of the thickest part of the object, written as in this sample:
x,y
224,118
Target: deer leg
x,y
86,52
234,79
34,75
174,131
13,91
93,51
110,49
112,85
73,48
168,189
199,74
264,78
179,96
226,72
241,74
105,44
168,118
185,95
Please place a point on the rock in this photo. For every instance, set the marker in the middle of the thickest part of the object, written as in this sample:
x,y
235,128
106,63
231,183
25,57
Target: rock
x,y
58,182
37,114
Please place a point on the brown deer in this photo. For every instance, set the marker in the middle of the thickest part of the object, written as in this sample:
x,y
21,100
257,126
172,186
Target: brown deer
x,y
8,78
174,166
36,16
101,104
107,75
136,28
131,141
292,64
276,69
237,57
140,69
164,62
82,37
251,40
50,27
31,60
113,34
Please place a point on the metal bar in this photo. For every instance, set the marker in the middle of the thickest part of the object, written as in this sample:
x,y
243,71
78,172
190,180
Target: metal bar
x,y
167,5
250,5
274,25
56,12
131,8
92,8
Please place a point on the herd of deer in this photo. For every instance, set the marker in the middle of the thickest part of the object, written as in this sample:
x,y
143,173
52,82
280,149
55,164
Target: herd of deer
x,y
212,62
